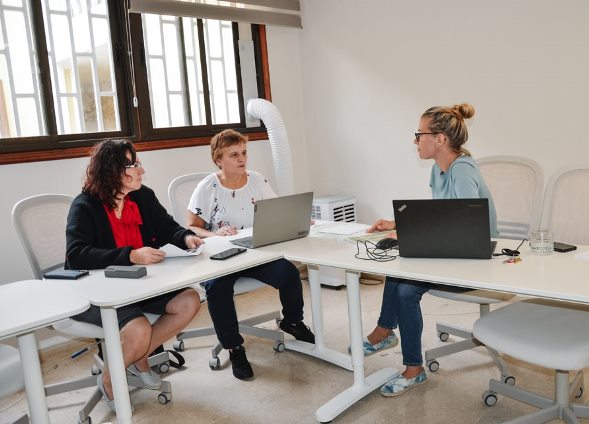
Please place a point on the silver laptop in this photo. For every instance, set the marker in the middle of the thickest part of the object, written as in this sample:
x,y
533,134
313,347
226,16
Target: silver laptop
x,y
279,219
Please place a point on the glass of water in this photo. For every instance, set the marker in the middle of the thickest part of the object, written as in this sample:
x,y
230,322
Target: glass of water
x,y
541,242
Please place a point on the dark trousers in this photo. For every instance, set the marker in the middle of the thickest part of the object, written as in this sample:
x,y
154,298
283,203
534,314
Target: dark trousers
x,y
280,274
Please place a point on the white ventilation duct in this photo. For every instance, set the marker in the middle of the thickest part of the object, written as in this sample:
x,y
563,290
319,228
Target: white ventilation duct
x,y
281,157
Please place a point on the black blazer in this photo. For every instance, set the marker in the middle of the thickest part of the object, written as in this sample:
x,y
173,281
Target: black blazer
x,y
90,243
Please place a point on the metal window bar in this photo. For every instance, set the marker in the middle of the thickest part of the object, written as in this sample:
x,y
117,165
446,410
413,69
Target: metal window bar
x,y
195,58
93,61
6,53
75,70
54,70
31,48
33,66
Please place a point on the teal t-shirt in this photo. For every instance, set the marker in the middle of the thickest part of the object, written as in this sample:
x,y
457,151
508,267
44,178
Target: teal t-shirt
x,y
463,180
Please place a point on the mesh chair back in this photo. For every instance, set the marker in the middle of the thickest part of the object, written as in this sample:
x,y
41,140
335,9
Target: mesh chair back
x,y
566,205
179,192
40,223
516,184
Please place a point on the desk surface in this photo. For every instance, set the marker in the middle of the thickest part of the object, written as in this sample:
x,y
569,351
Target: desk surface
x,y
174,273
32,304
557,276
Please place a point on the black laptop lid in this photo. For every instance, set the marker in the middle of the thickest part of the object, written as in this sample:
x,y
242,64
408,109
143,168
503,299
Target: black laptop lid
x,y
443,228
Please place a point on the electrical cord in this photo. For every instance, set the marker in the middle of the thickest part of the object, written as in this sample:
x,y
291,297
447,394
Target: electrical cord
x,y
511,252
372,253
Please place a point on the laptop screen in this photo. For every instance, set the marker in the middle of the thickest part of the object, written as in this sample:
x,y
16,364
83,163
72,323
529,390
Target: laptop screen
x,y
443,228
280,219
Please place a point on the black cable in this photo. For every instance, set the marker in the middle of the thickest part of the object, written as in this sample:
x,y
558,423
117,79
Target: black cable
x,y
373,253
509,252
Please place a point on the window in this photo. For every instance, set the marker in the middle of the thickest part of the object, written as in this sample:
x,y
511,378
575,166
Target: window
x,y
67,79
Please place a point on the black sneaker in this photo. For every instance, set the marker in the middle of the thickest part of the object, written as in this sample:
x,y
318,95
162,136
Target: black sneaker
x,y
299,330
241,367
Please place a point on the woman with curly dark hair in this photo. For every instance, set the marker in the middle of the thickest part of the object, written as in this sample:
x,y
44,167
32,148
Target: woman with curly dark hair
x,y
118,221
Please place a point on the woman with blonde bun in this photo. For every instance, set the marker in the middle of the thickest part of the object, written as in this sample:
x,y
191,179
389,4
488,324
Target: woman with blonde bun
x,y
441,136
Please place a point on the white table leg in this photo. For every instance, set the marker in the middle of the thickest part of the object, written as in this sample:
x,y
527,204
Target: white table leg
x,y
31,367
116,364
362,385
318,350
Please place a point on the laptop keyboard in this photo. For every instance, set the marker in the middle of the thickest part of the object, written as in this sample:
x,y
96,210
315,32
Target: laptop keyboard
x,y
245,242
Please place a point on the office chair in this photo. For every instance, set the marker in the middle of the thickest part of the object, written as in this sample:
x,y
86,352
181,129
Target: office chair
x,y
40,223
533,330
516,185
179,192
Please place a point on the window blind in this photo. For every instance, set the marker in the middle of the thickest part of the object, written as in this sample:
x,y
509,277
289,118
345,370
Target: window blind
x,y
266,12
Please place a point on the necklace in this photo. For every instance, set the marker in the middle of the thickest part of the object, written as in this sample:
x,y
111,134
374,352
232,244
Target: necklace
x,y
119,210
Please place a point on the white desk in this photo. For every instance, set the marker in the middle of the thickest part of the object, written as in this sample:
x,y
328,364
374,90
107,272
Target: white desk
x,y
169,275
24,307
556,276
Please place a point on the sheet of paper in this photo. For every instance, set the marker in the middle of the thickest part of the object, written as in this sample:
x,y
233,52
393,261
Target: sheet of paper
x,y
174,251
372,237
344,229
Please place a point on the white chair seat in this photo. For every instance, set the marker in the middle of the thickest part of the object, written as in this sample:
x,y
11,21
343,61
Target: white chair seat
x,y
472,296
553,335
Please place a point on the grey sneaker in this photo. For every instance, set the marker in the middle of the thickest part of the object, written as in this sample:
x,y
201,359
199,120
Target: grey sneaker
x,y
109,402
149,379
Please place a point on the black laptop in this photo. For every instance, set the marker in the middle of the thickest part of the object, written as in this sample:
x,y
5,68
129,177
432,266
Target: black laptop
x,y
443,228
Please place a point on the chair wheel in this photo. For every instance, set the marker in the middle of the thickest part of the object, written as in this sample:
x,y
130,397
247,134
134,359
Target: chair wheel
x,y
443,336
95,370
164,398
88,420
278,321
178,345
163,368
490,398
215,363
579,392
510,379
433,365
279,346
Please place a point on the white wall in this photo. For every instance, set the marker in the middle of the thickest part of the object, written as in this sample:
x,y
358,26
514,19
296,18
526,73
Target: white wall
x,y
371,68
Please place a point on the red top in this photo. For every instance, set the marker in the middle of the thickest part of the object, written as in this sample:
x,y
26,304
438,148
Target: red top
x,y
126,229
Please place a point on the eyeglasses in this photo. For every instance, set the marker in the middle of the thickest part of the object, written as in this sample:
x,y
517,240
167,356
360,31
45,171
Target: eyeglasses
x,y
419,134
135,164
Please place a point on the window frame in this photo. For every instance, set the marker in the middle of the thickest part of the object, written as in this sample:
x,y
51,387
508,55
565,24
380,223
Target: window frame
x,y
135,122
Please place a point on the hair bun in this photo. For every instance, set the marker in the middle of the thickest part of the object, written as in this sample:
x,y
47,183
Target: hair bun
x,y
465,110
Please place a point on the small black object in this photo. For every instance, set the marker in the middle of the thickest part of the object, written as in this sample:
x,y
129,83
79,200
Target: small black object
x,y
65,274
563,247
386,243
228,253
122,271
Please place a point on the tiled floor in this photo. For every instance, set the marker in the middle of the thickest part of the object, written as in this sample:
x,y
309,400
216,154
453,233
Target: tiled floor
x,y
289,387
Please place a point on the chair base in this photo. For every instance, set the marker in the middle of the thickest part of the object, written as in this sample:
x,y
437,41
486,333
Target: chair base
x,y
157,361
550,409
246,326
468,343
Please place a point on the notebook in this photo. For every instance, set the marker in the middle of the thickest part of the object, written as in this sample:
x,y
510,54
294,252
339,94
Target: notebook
x,y
443,228
279,219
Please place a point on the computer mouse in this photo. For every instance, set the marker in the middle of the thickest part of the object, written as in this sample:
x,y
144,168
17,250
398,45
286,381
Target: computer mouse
x,y
386,243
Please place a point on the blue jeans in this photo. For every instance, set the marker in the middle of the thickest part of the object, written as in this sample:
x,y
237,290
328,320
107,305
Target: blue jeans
x,y
400,307
280,274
